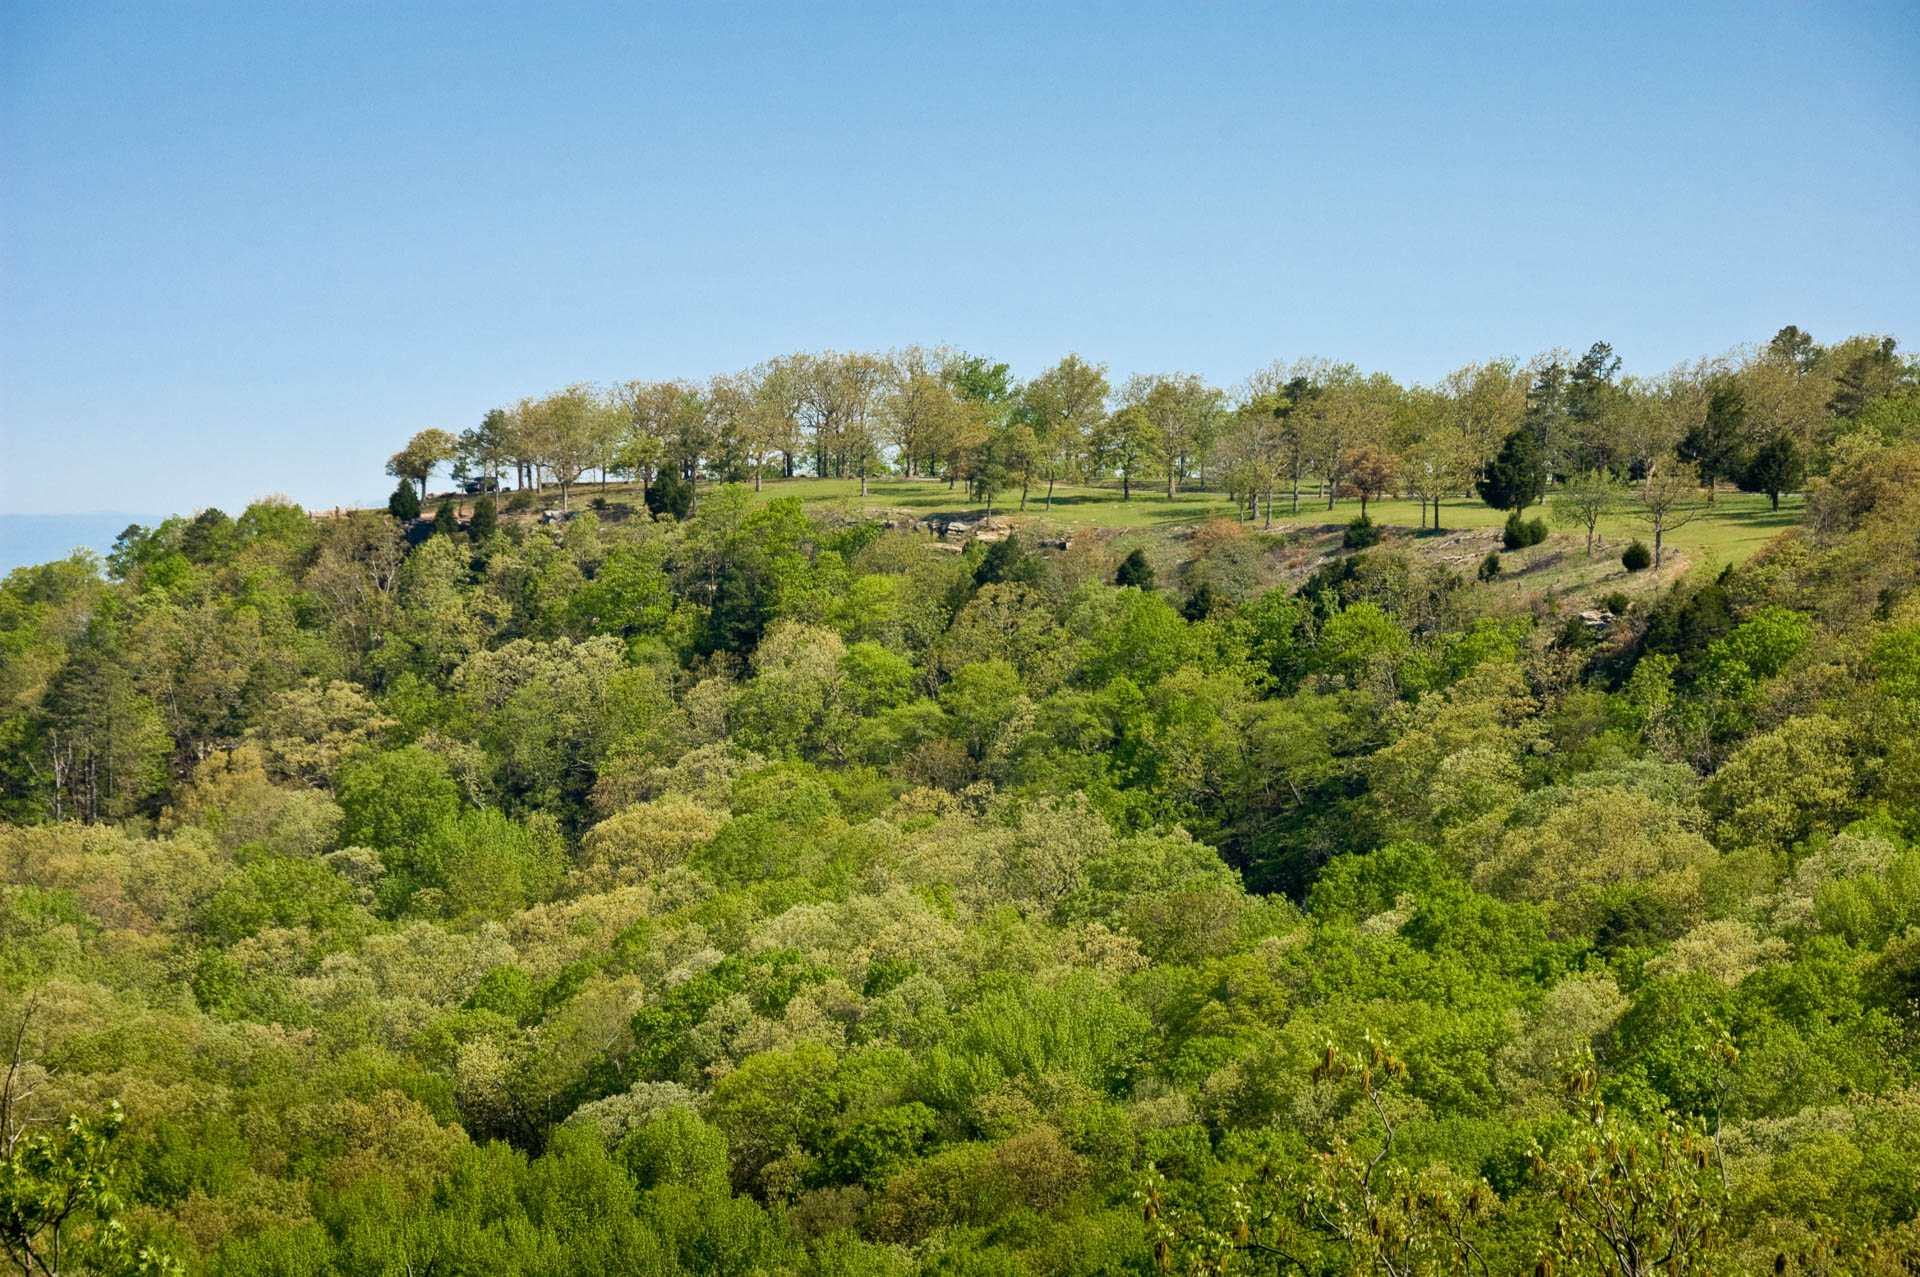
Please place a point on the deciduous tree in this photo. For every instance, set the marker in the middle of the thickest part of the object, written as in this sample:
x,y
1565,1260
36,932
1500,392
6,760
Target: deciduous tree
x,y
1585,499
1668,498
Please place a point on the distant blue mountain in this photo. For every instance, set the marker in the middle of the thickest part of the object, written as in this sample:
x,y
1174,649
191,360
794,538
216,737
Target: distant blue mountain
x,y
27,539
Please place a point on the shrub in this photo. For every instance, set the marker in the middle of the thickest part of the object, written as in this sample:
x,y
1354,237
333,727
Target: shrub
x,y
1637,557
445,521
598,503
522,499
1519,534
1616,603
1490,566
1361,533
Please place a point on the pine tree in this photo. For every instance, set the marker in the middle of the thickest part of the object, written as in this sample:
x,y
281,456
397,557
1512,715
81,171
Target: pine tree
x,y
1516,477
1776,468
1135,571
404,504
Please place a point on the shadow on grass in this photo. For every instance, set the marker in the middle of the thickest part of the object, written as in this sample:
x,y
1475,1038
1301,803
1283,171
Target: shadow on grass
x,y
1763,518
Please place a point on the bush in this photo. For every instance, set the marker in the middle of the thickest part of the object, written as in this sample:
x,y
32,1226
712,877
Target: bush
x,y
445,522
404,504
522,499
1361,533
598,503
1135,571
1637,557
1616,603
1519,534
1490,566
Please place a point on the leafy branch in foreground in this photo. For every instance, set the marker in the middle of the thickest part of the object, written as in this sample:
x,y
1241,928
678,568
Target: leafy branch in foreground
x,y
1634,1199
1352,1205
58,1204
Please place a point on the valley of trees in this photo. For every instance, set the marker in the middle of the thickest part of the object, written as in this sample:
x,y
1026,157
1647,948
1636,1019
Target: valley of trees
x,y
697,884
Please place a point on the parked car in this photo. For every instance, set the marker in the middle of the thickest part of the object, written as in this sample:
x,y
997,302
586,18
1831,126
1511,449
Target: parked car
x,y
472,486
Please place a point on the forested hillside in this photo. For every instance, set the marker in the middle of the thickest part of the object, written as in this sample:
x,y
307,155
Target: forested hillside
x,y
703,884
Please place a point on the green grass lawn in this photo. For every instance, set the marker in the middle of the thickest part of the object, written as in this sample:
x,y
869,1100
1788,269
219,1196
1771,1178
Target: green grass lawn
x,y
1738,523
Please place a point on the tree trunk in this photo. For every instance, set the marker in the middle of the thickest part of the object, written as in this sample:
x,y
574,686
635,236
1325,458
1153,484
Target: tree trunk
x,y
1776,500
1269,524
863,481
1169,483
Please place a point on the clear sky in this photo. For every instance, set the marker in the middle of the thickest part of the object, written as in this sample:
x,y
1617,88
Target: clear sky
x,y
251,247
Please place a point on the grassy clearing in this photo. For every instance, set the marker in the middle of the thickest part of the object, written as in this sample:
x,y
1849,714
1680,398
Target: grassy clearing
x,y
1738,524
1556,574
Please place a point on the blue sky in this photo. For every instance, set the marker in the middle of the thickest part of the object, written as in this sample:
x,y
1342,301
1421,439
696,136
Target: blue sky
x,y
249,248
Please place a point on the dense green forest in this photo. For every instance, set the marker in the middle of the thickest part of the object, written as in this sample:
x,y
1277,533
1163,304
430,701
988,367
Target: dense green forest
x,y
704,884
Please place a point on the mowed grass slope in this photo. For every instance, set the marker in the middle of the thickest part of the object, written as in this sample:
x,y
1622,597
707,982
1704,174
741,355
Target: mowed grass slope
x,y
1549,577
1736,525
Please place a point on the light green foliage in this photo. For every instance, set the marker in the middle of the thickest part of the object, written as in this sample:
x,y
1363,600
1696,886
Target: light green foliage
x,y
60,1203
643,840
1895,661
677,1149
1599,838
770,891
393,800
1759,649
1778,786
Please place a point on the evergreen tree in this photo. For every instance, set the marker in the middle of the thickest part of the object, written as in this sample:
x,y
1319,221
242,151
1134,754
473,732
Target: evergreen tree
x,y
485,520
1517,476
1007,560
670,494
1777,467
1135,571
404,504
1203,603
1714,444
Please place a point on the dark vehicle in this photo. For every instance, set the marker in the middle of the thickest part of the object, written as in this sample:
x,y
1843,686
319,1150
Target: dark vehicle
x,y
472,486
